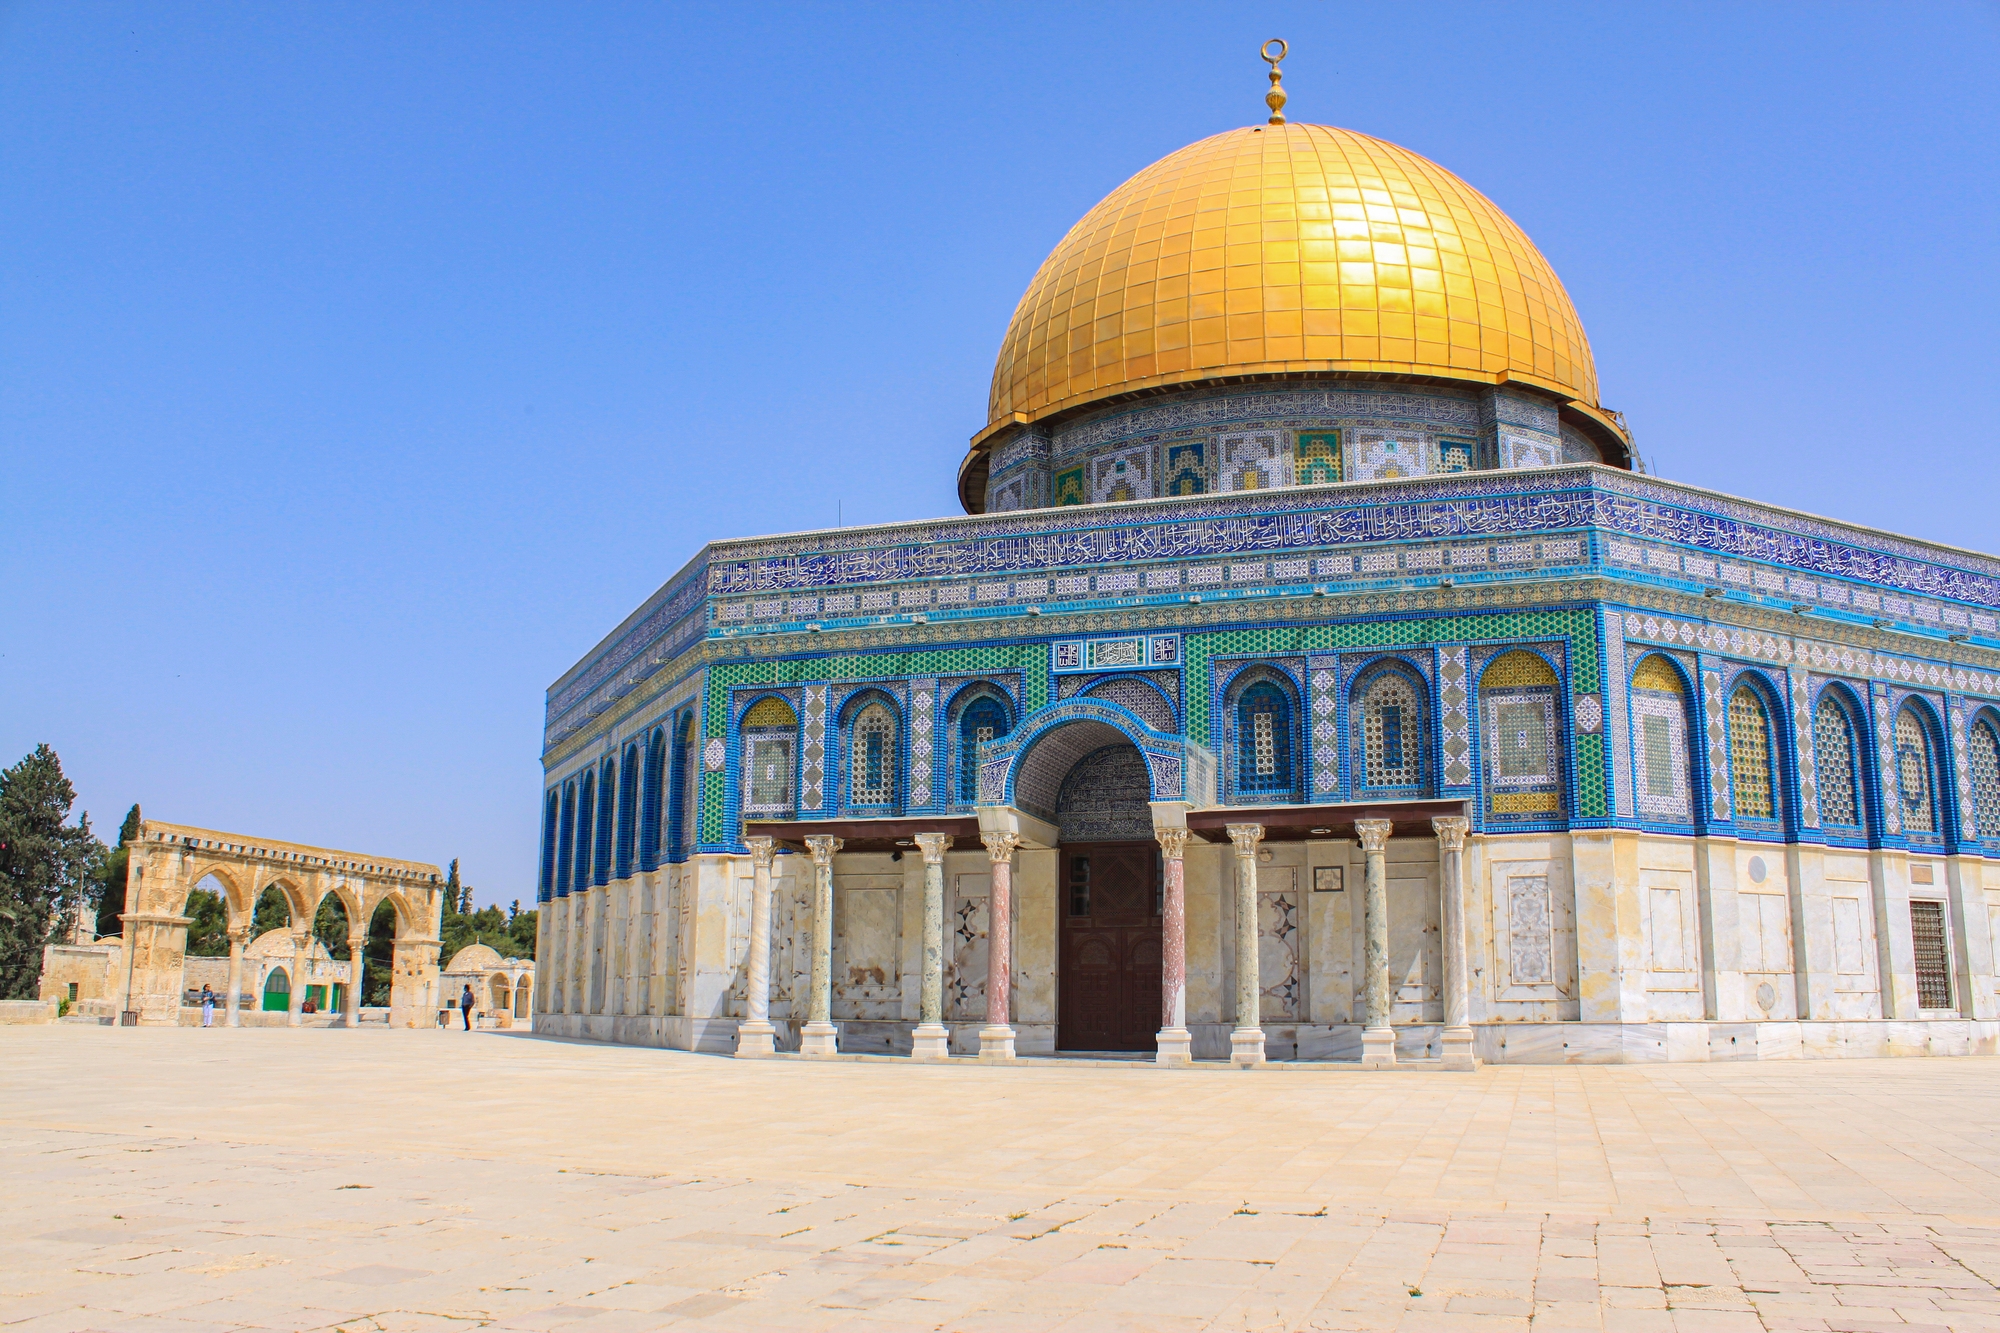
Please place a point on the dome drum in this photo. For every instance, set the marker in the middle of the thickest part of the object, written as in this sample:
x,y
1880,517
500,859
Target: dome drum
x,y
1294,255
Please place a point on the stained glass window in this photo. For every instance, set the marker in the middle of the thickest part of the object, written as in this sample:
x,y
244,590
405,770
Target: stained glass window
x,y
1834,759
1985,755
873,780
984,719
1913,774
1391,752
1750,756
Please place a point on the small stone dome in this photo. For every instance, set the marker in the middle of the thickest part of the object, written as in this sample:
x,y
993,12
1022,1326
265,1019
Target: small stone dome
x,y
474,958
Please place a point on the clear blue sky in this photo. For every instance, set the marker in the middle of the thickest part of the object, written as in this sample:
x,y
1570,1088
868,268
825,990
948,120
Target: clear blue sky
x,y
361,365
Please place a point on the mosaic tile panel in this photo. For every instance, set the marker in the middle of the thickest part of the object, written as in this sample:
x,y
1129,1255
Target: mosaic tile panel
x,y
1316,458
1142,698
1280,978
1802,730
1124,475
812,783
1718,741
1323,707
1388,455
1186,468
923,759
1961,764
1254,462
1454,726
1618,723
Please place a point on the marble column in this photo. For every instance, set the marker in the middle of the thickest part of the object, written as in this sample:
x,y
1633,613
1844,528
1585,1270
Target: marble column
x,y
1175,1046
234,1018
996,1039
1451,920
301,941
1246,1043
1378,1039
357,976
819,1036
932,1040
754,1035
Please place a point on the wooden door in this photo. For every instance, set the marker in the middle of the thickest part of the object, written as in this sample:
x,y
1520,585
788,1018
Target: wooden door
x,y
1108,972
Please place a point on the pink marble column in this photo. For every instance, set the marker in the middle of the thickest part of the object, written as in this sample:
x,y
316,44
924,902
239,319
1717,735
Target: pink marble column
x,y
996,1039
1175,1047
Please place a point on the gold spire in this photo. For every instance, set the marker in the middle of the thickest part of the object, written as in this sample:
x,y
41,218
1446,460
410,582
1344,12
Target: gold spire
x,y
1275,99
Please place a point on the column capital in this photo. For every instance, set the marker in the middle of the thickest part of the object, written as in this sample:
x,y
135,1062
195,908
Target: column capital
x,y
1374,833
1173,842
238,934
357,939
933,846
1246,837
301,939
823,846
762,849
1001,846
1451,832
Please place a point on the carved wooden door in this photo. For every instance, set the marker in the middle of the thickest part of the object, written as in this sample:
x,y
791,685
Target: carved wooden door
x,y
1108,982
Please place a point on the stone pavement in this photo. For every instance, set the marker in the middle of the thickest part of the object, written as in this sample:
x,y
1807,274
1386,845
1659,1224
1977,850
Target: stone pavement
x,y
162,1179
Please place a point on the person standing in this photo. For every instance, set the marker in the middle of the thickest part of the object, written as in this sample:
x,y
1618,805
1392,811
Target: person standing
x,y
465,1007
207,1007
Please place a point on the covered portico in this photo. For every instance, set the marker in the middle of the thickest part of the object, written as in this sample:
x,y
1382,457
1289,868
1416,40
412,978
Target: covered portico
x,y
1004,832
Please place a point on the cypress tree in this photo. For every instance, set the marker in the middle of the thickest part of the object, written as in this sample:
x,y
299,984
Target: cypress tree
x,y
44,866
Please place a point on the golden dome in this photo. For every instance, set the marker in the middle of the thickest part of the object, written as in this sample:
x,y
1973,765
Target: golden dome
x,y
1286,248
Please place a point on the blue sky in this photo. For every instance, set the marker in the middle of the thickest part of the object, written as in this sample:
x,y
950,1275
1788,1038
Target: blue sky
x,y
362,365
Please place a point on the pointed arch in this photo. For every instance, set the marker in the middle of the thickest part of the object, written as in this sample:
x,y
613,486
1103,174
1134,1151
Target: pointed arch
x,y
1262,740
871,725
566,840
1521,736
1662,777
607,796
551,820
586,822
1919,789
1840,760
769,748
650,812
1388,730
681,780
628,811
979,712
1982,756
1756,750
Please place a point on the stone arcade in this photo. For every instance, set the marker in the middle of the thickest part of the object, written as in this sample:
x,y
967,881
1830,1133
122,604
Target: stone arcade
x,y
1314,675
169,860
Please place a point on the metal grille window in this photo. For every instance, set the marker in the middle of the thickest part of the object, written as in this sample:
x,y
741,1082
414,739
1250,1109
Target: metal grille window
x,y
1833,757
770,729
1985,754
1264,739
1750,755
1913,774
1390,757
1658,733
983,720
1927,934
873,780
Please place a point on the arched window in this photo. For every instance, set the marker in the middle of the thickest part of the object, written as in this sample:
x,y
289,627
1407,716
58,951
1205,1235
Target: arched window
x,y
1916,773
1983,754
628,810
1388,732
1753,787
566,840
1659,741
680,793
1264,749
770,734
649,800
984,719
551,818
607,793
1518,694
872,766
1837,764
586,799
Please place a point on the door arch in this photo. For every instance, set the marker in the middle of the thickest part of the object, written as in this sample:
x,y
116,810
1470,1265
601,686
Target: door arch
x,y
1107,904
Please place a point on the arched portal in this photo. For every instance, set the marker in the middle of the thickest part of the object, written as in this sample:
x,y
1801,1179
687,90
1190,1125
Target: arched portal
x,y
277,991
1092,783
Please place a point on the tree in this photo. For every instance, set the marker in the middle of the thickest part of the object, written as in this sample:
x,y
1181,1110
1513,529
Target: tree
x,y
208,932
109,875
521,926
44,866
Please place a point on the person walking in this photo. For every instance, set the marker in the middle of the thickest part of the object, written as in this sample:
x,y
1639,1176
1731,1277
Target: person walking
x,y
465,1007
207,1007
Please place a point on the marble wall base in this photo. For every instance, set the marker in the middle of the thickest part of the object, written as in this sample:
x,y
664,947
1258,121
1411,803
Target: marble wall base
x,y
715,1036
